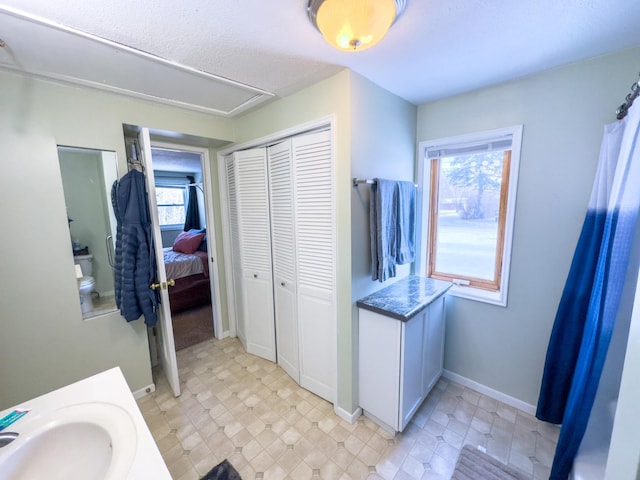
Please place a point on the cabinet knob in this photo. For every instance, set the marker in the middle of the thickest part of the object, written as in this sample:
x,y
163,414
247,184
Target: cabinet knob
x,y
255,275
282,283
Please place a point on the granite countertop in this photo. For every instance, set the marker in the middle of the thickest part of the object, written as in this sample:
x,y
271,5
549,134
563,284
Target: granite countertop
x,y
405,298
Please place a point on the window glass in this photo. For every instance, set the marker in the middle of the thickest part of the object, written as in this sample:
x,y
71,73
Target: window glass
x,y
466,203
468,186
171,208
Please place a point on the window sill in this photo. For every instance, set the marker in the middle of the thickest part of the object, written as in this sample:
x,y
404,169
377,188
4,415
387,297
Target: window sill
x,y
171,227
485,296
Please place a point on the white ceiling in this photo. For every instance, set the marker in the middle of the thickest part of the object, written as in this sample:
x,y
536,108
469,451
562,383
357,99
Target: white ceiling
x,y
227,56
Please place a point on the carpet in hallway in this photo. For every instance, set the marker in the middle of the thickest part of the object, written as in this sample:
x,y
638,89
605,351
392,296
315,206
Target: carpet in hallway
x,y
192,326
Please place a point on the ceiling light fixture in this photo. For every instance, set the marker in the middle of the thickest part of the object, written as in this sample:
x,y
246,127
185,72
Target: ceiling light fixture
x,y
354,25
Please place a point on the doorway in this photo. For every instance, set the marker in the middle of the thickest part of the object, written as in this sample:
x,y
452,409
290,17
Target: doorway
x,y
181,203
139,142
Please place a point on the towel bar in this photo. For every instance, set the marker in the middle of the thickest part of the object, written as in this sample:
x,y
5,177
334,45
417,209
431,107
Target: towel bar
x,y
369,181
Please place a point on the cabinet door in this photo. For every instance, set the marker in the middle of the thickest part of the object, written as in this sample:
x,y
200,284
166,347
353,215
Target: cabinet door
x,y
411,368
252,192
434,345
283,240
379,351
315,228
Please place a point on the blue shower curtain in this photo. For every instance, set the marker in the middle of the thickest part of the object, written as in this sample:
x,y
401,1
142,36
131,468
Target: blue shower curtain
x,y
589,304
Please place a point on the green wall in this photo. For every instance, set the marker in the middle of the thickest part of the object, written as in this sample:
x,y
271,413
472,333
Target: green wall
x,y
44,342
328,98
563,112
383,144
374,135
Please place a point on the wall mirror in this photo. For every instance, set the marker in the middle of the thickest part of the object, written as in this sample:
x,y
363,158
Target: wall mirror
x,y
87,178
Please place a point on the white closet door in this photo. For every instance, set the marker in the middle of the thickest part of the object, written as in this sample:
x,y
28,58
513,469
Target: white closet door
x,y
255,246
315,228
284,257
234,233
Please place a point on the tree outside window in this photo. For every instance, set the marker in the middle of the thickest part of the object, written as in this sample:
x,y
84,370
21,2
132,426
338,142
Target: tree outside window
x,y
171,205
467,224
469,186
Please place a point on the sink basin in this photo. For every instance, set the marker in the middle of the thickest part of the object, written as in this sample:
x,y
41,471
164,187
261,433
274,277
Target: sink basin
x,y
83,441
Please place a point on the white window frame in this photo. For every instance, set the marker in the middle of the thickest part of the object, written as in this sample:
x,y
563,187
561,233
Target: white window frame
x,y
424,174
174,182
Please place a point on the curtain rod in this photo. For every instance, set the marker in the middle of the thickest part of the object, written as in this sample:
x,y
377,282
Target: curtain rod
x,y
181,185
621,112
369,181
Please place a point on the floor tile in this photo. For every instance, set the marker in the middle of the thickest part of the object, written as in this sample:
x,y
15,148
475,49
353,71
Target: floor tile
x,y
248,410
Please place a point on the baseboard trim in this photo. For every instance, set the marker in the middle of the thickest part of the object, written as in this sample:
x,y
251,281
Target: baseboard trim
x,y
144,391
387,428
490,392
346,416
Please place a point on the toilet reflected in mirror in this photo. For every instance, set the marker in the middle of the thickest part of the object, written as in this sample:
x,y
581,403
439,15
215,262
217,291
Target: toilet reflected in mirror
x,y
87,177
86,283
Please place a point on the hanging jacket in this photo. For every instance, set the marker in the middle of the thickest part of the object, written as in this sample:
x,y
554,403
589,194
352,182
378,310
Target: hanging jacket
x,y
135,267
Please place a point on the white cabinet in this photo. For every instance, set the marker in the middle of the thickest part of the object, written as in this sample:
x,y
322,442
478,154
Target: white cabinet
x,y
412,346
433,356
281,214
399,362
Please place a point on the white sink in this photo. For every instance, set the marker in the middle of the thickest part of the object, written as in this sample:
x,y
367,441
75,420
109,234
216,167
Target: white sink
x,y
92,440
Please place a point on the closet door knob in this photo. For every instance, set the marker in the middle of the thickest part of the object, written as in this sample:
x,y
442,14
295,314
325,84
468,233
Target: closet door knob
x,y
255,275
282,283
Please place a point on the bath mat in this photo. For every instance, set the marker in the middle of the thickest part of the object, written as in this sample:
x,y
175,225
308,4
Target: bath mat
x,y
223,471
476,465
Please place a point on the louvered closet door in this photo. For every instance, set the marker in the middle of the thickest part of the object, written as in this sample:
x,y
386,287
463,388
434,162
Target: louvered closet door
x,y
234,233
255,251
315,229
284,257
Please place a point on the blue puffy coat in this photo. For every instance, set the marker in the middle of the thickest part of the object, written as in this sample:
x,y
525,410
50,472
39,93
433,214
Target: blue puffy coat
x,y
135,266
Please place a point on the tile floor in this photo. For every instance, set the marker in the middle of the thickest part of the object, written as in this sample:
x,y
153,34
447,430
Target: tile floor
x,y
101,305
237,406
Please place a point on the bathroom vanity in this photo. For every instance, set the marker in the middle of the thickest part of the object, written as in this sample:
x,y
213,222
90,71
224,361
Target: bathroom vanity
x,y
91,429
401,344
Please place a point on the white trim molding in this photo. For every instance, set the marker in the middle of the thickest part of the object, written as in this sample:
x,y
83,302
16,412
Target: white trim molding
x,y
143,392
351,418
490,392
514,133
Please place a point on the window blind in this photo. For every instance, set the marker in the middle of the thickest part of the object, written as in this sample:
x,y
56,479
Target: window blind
x,y
459,149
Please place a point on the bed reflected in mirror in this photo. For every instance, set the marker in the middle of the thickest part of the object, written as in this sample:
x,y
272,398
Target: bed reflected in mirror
x,y
87,177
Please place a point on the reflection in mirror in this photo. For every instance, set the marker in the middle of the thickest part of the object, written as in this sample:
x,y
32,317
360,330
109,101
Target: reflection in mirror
x,y
87,177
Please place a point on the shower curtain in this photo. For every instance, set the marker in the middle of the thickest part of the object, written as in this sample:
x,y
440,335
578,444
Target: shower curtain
x,y
589,304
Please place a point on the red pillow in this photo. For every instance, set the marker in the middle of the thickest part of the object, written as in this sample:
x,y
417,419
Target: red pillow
x,y
187,242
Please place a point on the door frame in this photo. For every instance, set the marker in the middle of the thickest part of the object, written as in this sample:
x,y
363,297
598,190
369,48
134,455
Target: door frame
x,y
214,279
322,123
